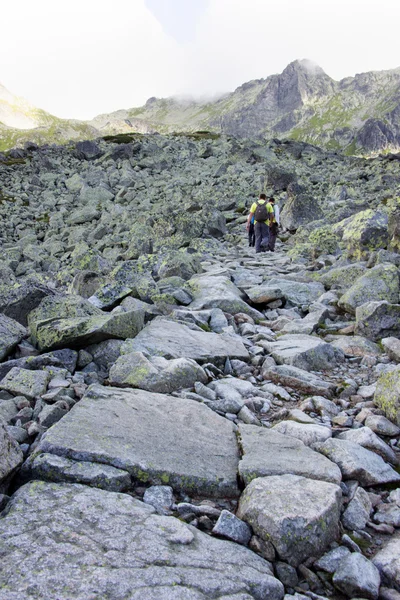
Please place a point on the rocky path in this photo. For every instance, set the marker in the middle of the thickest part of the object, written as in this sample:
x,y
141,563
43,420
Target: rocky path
x,y
234,445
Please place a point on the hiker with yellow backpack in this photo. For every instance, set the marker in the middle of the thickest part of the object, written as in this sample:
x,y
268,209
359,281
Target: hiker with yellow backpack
x,y
263,214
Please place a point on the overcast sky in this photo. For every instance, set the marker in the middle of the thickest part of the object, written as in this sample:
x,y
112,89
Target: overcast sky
x,y
80,58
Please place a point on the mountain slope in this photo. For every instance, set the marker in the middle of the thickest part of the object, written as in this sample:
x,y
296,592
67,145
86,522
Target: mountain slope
x,y
358,114
20,122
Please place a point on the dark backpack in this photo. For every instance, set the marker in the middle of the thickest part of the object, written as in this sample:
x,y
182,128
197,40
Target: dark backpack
x,y
261,213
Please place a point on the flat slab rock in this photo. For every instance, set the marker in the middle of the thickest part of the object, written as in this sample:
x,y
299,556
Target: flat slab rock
x,y
267,452
304,352
300,516
298,379
357,462
71,542
158,439
218,291
174,340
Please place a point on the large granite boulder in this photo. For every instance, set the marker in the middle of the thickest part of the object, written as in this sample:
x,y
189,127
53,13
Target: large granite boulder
x,y
356,462
299,516
139,431
72,541
218,291
156,374
387,394
11,333
379,283
72,321
268,452
365,232
304,352
377,320
343,277
300,208
11,456
169,339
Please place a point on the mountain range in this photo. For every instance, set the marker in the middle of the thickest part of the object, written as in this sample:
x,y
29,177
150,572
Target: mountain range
x,y
357,115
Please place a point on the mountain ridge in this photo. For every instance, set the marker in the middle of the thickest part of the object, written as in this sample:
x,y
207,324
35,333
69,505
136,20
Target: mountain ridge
x,y
356,115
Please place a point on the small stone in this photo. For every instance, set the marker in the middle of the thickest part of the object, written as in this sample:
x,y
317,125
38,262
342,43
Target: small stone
x,y
232,528
286,574
161,497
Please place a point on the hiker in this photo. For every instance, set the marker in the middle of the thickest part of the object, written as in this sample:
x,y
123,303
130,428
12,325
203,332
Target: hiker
x,y
263,214
273,225
252,235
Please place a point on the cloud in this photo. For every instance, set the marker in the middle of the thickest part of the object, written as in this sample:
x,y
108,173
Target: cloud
x,y
84,57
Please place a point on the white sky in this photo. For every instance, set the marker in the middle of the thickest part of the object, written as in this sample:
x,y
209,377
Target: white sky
x,y
80,58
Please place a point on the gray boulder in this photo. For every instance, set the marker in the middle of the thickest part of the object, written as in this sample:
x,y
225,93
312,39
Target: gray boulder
x,y
368,439
356,345
143,555
357,577
357,462
88,150
18,301
377,320
72,321
392,348
213,291
300,208
171,340
343,277
306,433
267,452
25,382
377,284
156,374
11,333
387,561
137,431
299,516
297,293
304,352
298,379
358,510
364,232
387,394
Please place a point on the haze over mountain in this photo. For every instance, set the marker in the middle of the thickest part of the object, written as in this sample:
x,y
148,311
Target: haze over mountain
x,y
358,114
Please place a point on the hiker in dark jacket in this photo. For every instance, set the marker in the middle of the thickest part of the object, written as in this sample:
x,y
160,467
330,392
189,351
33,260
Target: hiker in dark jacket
x,y
252,235
263,214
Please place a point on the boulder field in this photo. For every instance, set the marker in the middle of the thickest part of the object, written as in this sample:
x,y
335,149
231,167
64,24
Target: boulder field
x,y
180,417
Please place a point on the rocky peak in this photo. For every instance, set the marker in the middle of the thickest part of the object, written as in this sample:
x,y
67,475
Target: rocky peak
x,y
301,81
